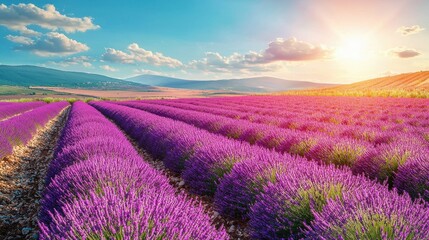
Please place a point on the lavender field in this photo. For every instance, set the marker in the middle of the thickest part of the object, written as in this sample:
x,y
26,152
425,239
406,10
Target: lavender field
x,y
250,167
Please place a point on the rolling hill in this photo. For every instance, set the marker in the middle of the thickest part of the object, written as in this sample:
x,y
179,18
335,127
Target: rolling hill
x,y
405,81
34,76
257,84
26,76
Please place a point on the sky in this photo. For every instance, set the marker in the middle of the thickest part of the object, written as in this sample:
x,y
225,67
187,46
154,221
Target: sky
x,y
334,41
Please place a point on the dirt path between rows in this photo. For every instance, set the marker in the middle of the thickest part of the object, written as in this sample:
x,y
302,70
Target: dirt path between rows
x,y
22,177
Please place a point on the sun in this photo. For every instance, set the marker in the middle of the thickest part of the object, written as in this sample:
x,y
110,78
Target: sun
x,y
354,48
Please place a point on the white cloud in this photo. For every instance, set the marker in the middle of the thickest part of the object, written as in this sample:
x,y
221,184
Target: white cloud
x,y
147,71
53,44
73,61
405,31
293,50
137,54
215,62
270,59
403,52
108,68
19,17
20,39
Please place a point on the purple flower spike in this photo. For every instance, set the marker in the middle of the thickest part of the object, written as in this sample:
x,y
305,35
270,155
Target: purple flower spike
x,y
365,215
413,177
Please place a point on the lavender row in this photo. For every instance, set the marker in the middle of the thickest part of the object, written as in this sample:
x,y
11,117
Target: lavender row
x,y
370,134
279,195
374,108
383,162
20,129
13,109
335,110
298,109
100,188
302,116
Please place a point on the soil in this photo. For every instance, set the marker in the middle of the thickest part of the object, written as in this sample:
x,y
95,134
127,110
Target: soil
x,y
22,177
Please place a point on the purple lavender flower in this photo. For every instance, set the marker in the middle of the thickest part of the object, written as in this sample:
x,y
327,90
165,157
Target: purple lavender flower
x,y
87,148
413,177
365,215
383,162
211,162
101,188
237,191
286,206
20,129
130,213
96,173
341,152
8,110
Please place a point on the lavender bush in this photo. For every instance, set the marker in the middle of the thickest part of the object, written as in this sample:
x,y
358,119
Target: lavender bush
x,y
111,192
355,216
20,129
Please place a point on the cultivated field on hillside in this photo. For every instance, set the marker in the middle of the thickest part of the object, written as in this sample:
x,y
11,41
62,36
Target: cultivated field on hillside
x,y
406,85
246,167
156,93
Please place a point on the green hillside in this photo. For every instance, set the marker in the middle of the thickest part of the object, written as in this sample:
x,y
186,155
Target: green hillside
x,y
26,76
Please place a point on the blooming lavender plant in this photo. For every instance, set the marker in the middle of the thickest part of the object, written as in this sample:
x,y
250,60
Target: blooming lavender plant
x,y
20,129
238,189
286,199
383,162
131,213
413,177
340,153
96,146
355,216
8,110
110,192
95,174
288,205
204,170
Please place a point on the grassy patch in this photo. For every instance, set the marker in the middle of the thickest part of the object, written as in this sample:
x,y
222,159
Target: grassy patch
x,y
15,90
396,93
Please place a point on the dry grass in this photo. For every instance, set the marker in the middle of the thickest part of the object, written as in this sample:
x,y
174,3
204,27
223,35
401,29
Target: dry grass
x,y
397,93
159,93
407,82
407,85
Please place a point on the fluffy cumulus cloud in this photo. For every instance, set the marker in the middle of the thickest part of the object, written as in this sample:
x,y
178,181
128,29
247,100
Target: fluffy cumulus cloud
x,y
409,30
137,54
215,62
108,68
280,50
147,71
74,61
19,17
403,52
53,44
294,50
20,39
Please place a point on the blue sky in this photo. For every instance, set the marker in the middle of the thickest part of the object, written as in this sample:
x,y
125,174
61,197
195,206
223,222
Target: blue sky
x,y
317,40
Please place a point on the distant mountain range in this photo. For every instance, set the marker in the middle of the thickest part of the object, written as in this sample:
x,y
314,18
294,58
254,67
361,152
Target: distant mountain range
x,y
27,76
257,84
405,81
31,76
